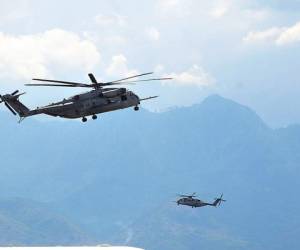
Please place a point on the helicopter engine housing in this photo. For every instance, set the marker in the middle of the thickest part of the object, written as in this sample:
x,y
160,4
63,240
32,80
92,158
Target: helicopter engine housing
x,y
114,92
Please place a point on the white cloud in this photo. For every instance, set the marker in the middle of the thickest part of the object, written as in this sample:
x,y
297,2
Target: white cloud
x,y
159,68
153,34
257,15
174,8
289,35
220,9
110,19
167,4
14,11
119,68
276,35
26,56
269,35
195,76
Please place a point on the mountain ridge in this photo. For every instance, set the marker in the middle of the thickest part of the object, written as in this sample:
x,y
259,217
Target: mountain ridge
x,y
109,176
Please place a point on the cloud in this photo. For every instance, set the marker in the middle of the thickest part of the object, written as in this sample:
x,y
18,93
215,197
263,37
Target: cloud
x,y
194,76
159,68
269,35
276,35
110,19
119,68
289,35
167,4
153,34
25,56
14,11
174,8
220,9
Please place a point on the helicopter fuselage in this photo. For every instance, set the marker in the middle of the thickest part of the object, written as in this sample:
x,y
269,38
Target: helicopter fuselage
x,y
90,103
192,202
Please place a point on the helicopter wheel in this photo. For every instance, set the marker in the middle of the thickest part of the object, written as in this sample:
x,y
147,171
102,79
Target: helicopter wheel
x,y
84,119
136,108
94,117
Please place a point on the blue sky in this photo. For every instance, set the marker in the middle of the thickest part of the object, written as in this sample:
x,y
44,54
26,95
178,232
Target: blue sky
x,y
241,49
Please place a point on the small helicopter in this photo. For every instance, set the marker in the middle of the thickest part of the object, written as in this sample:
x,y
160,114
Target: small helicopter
x,y
189,200
102,98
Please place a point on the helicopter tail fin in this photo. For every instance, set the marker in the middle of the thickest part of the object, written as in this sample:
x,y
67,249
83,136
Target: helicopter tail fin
x,y
218,201
12,102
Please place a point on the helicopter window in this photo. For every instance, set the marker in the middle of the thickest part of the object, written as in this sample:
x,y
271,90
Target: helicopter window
x,y
123,97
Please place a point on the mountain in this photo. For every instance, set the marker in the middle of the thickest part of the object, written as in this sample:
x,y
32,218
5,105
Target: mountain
x,y
117,177
26,222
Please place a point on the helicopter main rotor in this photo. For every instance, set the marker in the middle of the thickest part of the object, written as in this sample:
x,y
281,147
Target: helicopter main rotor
x,y
188,196
95,84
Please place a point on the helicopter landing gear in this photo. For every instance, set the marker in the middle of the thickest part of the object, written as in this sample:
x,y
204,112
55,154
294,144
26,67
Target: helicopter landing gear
x,y
136,108
94,117
84,119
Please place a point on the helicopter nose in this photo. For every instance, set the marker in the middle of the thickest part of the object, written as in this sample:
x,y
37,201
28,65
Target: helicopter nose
x,y
137,99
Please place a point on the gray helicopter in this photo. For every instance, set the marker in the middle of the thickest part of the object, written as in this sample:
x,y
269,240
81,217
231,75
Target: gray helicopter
x,y
189,200
102,98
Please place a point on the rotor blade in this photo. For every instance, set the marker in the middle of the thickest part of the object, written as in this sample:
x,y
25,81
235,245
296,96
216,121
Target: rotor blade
x,y
10,108
92,78
65,82
15,92
133,82
60,85
18,95
148,98
130,77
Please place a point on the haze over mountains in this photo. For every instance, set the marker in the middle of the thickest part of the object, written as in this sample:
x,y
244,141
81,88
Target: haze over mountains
x,y
114,180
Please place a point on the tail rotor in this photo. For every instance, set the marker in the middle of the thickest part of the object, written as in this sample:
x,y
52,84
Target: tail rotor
x,y
219,200
10,97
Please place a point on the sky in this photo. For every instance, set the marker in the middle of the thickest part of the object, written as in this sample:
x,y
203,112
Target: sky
x,y
106,247
246,50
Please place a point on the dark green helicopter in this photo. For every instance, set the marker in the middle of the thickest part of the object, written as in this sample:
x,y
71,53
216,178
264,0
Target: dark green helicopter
x,y
189,200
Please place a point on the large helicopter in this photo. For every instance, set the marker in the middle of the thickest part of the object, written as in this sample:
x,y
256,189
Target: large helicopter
x,y
103,98
189,200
